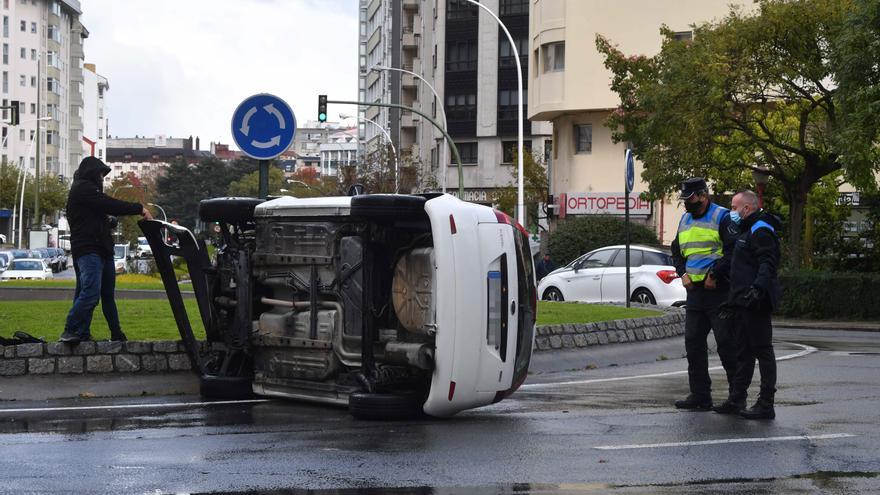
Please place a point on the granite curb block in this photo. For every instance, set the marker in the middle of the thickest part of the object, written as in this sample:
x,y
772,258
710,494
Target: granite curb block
x,y
94,358
136,357
580,335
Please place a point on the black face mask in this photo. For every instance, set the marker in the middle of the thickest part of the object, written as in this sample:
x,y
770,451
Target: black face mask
x,y
693,207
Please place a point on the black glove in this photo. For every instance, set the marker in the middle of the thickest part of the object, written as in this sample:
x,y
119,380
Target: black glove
x,y
113,221
725,312
752,299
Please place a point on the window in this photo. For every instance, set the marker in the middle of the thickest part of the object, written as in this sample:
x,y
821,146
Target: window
x,y
101,154
54,33
635,258
652,258
100,133
55,8
33,108
23,53
459,9
461,107
514,7
683,36
21,134
23,26
467,152
5,82
5,53
508,103
598,259
33,81
22,80
461,56
509,149
583,138
33,54
505,53
5,26
554,56
53,86
31,135
34,27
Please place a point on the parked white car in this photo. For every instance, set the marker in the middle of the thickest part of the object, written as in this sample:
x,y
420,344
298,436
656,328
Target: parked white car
x,y
600,276
143,248
27,269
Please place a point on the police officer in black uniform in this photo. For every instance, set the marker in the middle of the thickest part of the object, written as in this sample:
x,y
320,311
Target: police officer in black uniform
x,y
701,254
754,293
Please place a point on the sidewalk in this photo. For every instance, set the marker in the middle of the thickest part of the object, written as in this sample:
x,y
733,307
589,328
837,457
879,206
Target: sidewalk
x,y
863,326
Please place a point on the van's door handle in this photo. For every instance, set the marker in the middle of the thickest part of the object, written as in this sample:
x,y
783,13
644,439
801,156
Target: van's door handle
x,y
596,278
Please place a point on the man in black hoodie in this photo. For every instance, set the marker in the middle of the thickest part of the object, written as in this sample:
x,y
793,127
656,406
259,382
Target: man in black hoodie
x,y
754,293
89,213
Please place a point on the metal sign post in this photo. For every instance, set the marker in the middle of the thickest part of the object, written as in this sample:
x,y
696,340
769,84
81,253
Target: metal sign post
x,y
630,182
263,127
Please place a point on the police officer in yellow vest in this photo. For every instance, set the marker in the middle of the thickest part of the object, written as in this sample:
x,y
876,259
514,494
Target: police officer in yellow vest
x,y
702,252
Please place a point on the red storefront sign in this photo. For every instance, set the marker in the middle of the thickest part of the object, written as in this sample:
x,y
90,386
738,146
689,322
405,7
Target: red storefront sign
x,y
602,204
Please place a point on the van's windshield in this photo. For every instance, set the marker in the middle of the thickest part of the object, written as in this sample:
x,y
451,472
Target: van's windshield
x,y
528,300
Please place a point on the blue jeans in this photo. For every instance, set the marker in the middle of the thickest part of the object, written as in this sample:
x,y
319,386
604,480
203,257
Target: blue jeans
x,y
95,277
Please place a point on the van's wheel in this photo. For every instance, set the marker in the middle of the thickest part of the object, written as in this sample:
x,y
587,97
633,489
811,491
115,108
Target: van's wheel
x,y
363,405
225,387
643,296
553,294
229,210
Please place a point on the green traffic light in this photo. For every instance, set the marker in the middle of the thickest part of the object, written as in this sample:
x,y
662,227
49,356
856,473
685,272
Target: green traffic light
x,y
322,117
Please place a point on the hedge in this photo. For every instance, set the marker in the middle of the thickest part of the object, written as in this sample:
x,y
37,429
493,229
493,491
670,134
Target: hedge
x,y
579,235
828,295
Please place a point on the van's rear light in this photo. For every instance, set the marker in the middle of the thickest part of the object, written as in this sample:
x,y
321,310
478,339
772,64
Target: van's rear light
x,y
501,217
452,224
451,390
667,276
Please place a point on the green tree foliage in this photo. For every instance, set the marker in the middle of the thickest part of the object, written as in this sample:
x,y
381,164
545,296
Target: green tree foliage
x,y
134,190
249,185
579,235
53,192
749,91
182,186
534,189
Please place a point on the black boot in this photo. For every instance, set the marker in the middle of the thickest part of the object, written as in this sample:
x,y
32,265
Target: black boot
x,y
69,337
730,406
763,409
118,336
693,403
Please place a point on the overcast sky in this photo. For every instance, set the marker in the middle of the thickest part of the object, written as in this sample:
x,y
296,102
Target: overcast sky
x,y
180,67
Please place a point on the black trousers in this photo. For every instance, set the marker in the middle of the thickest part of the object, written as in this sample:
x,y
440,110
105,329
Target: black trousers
x,y
754,334
698,323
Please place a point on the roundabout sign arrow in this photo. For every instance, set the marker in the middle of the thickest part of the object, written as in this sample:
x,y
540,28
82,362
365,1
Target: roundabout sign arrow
x,y
263,126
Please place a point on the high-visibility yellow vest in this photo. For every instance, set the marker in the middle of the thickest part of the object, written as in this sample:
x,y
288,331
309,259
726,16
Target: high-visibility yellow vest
x,y
699,241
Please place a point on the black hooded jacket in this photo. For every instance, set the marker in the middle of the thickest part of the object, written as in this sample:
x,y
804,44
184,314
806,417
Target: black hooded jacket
x,y
88,208
755,261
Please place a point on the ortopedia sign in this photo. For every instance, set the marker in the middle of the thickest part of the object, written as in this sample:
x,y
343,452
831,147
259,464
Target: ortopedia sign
x,y
603,204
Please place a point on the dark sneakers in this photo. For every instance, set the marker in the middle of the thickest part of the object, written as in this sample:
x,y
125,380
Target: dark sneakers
x,y
730,407
763,409
118,336
691,403
69,337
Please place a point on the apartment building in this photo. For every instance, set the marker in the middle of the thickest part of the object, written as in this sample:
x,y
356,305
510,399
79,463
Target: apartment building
x,y
145,156
570,86
43,52
95,119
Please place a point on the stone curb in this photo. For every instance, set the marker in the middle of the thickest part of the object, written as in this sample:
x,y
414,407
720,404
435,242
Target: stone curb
x,y
580,335
135,357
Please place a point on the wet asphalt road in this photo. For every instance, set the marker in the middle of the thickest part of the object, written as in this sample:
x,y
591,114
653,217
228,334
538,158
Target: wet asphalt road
x,y
590,430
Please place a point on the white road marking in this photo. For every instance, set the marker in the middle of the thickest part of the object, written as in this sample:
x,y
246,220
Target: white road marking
x,y
806,350
133,406
724,441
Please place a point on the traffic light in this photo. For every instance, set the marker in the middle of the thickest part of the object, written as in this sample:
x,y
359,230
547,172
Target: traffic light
x,y
322,108
13,113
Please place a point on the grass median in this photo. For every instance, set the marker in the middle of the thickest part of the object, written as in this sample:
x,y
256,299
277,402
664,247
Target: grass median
x,y
152,319
124,281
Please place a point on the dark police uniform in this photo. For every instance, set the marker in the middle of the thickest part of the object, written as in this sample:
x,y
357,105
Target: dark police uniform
x,y
703,246
754,293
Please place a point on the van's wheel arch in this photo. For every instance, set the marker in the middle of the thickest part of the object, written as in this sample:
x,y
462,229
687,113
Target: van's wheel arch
x,y
225,387
385,406
228,210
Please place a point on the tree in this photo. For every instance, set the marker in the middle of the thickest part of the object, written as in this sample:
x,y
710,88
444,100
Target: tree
x,y
249,185
183,186
129,188
748,93
580,235
534,188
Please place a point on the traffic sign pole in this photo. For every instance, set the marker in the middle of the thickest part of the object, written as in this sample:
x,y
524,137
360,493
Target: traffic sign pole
x,y
264,178
629,179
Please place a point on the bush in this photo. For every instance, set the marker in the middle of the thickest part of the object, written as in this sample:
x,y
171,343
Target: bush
x,y
576,236
812,294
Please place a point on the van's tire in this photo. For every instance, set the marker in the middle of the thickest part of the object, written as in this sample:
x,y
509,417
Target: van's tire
x,y
225,387
228,210
363,405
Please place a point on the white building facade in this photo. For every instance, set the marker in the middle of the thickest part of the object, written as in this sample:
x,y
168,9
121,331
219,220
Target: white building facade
x,y
95,118
42,50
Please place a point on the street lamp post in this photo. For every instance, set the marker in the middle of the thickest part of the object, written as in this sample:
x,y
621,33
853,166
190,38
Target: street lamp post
x,y
443,158
164,217
520,207
394,150
22,178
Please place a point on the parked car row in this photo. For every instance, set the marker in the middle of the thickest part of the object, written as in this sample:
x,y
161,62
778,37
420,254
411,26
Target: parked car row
x,y
600,276
52,259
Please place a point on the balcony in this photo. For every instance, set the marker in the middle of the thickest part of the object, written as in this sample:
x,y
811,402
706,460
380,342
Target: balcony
x,y
409,38
408,81
411,4
408,120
